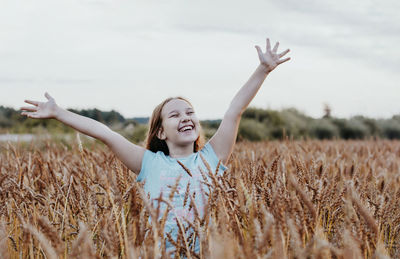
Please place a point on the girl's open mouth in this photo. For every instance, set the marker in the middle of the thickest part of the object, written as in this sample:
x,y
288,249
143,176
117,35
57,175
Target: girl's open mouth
x,y
187,128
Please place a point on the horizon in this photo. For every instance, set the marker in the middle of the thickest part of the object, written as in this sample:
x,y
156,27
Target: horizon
x,y
212,119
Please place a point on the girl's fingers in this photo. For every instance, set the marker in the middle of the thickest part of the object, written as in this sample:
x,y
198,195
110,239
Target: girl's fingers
x,y
283,53
31,109
31,115
259,51
283,60
268,45
275,47
27,114
32,102
47,95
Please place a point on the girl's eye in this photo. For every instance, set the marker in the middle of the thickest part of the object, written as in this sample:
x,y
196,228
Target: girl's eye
x,y
190,112
174,115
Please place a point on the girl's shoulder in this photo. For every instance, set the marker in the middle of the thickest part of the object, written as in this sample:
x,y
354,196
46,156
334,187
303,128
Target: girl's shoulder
x,y
211,157
150,162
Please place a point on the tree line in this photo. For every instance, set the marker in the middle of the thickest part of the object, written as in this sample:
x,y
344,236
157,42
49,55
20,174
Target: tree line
x,y
256,125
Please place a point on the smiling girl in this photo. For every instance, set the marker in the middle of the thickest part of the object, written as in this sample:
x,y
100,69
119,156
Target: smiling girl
x,y
173,146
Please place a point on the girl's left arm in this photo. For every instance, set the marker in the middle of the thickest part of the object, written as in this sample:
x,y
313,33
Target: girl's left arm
x,y
225,137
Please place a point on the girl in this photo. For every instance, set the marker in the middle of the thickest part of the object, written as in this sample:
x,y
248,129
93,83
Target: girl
x,y
173,149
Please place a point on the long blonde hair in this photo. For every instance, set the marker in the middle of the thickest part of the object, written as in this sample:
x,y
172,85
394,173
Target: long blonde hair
x,y
153,143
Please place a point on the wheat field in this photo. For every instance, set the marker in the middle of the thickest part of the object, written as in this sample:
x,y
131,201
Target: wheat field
x,y
278,199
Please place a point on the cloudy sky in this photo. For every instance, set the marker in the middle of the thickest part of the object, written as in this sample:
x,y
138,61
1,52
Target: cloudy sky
x,y
130,55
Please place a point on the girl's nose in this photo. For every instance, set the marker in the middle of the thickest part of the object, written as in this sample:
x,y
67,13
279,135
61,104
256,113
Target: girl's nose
x,y
185,118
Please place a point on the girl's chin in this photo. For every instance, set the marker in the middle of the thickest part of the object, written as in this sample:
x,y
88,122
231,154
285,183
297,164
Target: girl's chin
x,y
188,137
188,133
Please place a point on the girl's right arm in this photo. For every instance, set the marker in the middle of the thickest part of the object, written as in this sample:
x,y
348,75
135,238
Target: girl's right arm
x,y
130,154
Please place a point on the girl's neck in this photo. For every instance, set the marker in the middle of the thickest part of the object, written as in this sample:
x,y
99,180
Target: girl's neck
x,y
180,151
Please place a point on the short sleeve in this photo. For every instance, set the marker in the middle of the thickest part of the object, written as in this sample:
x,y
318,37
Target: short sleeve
x,y
209,153
148,157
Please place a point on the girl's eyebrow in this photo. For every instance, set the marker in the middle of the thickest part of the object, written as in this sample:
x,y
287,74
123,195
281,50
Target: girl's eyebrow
x,y
187,109
172,112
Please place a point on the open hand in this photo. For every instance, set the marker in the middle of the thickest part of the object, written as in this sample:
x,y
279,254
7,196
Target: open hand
x,y
270,59
41,110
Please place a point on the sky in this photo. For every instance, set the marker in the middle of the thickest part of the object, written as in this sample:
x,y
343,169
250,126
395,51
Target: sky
x,y
131,55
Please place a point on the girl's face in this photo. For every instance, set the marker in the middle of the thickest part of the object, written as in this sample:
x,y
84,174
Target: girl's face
x,y
180,125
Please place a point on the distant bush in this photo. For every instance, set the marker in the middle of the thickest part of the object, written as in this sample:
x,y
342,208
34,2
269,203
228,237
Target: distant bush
x,y
252,130
109,117
295,123
209,127
390,128
9,117
208,132
276,124
354,129
4,122
210,123
396,117
371,124
323,129
269,117
136,133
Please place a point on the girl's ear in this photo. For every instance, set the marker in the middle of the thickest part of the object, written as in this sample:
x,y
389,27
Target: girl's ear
x,y
161,134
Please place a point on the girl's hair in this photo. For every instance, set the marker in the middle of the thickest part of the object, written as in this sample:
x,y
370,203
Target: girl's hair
x,y
153,143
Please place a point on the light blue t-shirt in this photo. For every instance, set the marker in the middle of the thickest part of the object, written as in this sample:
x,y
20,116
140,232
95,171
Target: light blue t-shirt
x,y
160,173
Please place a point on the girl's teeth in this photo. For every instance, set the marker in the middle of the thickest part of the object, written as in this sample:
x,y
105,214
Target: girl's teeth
x,y
186,128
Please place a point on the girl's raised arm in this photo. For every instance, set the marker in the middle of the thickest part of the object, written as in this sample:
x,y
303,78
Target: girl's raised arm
x,y
130,154
225,137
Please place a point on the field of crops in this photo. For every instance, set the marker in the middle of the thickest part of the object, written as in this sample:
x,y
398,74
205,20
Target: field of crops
x,y
283,199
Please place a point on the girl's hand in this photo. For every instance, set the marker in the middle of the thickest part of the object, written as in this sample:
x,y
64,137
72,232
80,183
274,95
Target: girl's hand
x,y
270,59
41,110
